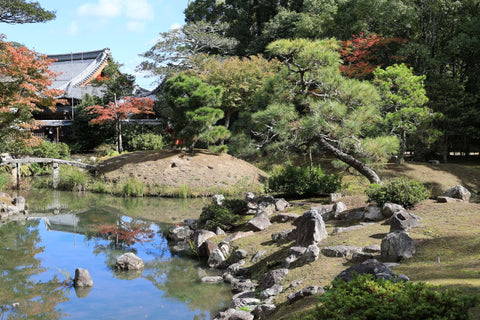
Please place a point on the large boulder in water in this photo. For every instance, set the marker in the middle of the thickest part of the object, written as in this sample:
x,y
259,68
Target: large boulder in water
x,y
82,278
128,261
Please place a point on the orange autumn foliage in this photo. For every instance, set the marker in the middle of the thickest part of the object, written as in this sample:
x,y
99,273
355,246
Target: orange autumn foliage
x,y
114,112
364,53
24,88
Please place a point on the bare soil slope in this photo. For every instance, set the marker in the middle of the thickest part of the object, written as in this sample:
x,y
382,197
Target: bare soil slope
x,y
203,171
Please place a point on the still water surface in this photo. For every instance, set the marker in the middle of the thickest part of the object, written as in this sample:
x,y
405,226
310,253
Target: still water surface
x,y
37,255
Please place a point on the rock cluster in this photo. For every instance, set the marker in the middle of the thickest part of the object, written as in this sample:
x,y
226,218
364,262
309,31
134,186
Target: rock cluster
x,y
12,208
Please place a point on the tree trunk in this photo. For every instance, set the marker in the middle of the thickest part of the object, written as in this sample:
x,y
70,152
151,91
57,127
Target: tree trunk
x,y
118,128
358,165
403,144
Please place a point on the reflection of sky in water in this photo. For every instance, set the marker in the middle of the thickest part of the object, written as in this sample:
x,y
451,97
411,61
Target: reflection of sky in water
x,y
169,287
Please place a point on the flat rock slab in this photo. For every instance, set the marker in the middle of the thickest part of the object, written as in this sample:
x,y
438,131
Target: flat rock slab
x,y
340,251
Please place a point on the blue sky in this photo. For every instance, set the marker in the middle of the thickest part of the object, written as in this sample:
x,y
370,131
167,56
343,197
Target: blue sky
x,y
127,27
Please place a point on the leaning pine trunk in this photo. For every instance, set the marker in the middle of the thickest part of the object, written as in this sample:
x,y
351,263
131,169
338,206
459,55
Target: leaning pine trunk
x,y
358,165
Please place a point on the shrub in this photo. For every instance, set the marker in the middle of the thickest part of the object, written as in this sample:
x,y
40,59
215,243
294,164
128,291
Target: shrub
x,y
402,191
73,179
133,188
224,216
367,298
147,141
5,179
46,149
299,181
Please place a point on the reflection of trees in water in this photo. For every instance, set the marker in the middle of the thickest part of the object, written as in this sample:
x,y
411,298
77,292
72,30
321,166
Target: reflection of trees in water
x,y
36,299
179,279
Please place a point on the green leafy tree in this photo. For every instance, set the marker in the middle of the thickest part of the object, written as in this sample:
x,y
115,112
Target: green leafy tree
x,y
403,99
335,112
240,79
21,11
175,49
191,109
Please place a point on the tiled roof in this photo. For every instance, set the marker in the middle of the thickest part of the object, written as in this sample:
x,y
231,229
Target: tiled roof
x,y
76,70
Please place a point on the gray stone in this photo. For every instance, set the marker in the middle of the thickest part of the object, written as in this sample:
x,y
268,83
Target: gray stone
x,y
402,220
191,223
281,204
128,261
441,199
266,208
373,213
354,215
212,279
237,256
218,256
274,290
82,278
244,302
310,229
300,256
250,197
259,223
389,209
244,294
326,211
12,210
219,231
258,256
240,285
397,245
337,209
264,310
234,267
359,257
179,233
305,292
340,251
372,266
232,314
458,192
19,202
375,248
434,161
199,237
284,235
334,197
218,199
272,278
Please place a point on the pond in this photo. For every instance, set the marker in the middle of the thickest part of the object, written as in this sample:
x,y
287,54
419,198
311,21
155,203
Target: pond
x,y
66,231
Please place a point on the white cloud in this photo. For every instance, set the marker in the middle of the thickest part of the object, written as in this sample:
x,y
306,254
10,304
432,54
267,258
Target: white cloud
x,y
104,9
135,12
139,10
136,26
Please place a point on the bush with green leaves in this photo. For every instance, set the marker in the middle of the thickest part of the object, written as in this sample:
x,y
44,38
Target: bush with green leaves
x,y
403,191
368,298
146,141
300,181
73,179
224,216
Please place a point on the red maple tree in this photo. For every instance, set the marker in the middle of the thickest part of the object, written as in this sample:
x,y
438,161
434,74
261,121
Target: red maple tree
x,y
24,88
364,53
117,111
